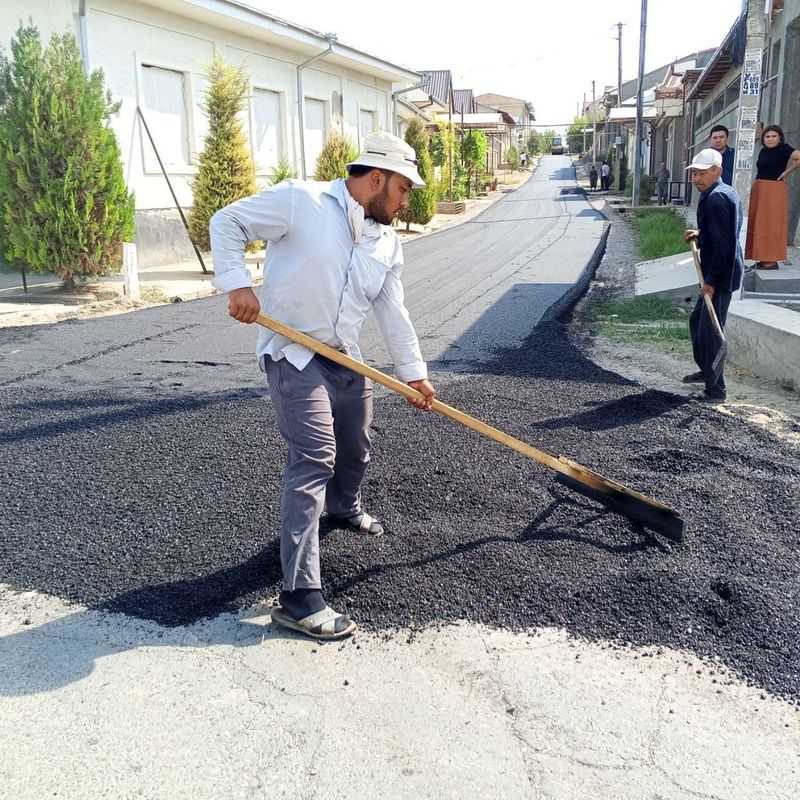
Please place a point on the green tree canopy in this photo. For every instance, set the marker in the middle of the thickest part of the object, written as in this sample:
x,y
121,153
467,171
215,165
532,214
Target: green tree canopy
x,y
421,202
575,135
64,206
446,153
226,171
337,151
474,147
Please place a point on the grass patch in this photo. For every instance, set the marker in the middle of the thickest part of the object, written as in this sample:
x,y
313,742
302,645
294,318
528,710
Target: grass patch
x,y
648,321
639,309
660,232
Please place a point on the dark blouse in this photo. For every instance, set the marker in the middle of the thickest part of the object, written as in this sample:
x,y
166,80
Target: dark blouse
x,y
772,161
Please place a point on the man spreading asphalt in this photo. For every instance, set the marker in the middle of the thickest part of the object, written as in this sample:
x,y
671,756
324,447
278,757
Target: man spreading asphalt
x,y
331,257
719,219
719,142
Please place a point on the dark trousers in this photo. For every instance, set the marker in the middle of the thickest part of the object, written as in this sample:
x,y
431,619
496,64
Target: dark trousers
x,y
705,343
604,183
663,194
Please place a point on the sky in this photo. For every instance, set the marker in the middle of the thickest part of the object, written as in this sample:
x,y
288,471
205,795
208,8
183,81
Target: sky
x,y
545,52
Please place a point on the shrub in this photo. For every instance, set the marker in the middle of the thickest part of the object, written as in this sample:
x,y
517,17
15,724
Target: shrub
x,y
421,202
63,200
512,156
646,188
282,171
337,151
446,152
226,171
474,147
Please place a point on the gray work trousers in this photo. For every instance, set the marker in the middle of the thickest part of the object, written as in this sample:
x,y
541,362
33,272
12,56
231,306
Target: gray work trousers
x,y
323,412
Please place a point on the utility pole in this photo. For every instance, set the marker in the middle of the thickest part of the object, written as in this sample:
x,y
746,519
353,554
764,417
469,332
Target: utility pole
x,y
619,64
618,147
583,124
637,138
594,126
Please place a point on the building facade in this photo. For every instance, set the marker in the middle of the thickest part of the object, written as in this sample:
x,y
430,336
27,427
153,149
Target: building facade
x,y
153,53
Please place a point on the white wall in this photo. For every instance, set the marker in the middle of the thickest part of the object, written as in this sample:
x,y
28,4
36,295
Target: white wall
x,y
124,36
49,16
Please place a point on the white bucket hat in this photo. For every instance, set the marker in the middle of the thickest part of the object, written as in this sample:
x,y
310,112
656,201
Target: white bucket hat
x,y
384,151
706,159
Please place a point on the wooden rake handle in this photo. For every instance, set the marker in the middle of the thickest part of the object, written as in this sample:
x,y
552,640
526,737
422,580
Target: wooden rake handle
x,y
708,301
562,465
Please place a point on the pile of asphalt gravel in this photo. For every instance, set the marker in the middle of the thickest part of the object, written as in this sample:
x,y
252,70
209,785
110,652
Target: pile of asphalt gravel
x,y
166,507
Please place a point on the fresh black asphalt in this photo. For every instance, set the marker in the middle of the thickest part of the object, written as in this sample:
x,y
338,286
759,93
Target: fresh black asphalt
x,y
163,504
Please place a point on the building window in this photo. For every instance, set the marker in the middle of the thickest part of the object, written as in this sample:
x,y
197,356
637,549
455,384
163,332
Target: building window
x,y
775,60
732,92
268,128
315,130
164,95
366,124
719,104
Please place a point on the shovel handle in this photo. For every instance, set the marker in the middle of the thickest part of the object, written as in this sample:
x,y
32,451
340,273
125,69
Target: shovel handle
x,y
563,465
709,303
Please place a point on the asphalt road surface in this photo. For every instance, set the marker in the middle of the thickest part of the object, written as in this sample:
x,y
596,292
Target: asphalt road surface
x,y
142,470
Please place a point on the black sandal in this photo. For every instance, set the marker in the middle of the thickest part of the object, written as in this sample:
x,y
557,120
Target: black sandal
x,y
361,522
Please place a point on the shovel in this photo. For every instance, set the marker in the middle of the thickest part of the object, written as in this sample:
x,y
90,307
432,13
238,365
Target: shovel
x,y
637,507
718,363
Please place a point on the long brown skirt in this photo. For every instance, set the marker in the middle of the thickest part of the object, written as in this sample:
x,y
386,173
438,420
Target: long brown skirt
x,y
768,221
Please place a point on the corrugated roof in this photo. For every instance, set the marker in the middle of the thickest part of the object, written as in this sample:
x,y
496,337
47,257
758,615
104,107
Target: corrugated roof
x,y
729,54
438,83
463,101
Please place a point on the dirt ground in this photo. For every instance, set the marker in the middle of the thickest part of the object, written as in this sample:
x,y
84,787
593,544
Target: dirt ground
x,y
761,402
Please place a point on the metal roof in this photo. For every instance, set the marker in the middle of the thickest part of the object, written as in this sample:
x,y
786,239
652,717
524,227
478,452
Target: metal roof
x,y
728,55
463,101
438,83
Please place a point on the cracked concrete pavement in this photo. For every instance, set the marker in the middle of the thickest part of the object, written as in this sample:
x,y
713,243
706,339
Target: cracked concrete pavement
x,y
104,706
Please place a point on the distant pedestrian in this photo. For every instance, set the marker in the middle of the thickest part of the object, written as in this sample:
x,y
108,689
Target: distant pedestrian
x,y
523,157
719,219
593,178
719,141
605,172
662,184
768,214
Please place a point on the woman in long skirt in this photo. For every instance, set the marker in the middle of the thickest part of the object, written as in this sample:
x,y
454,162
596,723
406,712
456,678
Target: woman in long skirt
x,y
768,215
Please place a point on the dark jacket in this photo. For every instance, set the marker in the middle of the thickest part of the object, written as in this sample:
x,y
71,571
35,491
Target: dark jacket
x,y
728,155
719,218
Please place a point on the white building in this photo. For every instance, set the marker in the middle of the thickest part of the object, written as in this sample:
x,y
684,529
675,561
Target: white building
x,y
153,53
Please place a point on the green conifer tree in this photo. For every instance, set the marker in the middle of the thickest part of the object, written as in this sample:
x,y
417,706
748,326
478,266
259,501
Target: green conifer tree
x,y
63,201
337,151
421,202
226,171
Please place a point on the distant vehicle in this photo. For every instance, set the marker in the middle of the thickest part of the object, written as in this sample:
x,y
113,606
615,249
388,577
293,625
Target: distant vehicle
x,y
557,146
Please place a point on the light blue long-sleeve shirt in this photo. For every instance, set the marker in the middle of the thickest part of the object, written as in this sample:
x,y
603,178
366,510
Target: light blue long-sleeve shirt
x,y
326,266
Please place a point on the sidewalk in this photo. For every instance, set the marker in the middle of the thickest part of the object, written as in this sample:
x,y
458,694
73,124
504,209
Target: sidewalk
x,y
45,302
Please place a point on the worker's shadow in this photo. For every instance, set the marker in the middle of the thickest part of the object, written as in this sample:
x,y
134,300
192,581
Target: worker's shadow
x,y
188,613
